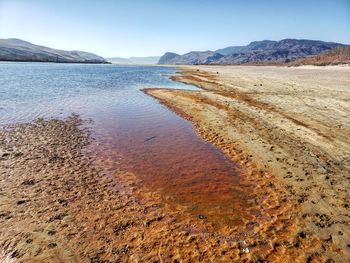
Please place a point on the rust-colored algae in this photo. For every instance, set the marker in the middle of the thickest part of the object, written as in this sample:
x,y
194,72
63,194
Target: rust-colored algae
x,y
67,207
66,199
295,153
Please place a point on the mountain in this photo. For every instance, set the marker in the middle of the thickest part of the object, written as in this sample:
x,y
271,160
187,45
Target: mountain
x,y
134,60
258,51
335,56
13,49
168,58
194,58
231,50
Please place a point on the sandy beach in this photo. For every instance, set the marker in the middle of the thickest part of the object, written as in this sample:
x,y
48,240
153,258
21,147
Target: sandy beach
x,y
285,128
292,123
62,203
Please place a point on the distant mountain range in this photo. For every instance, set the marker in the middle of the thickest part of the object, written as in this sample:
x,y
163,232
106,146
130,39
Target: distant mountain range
x,y
264,51
13,49
135,60
336,56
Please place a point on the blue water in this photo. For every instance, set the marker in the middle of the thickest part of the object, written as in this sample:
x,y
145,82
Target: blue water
x,y
32,90
131,131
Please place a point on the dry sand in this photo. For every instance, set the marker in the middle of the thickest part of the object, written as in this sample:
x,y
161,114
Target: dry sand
x,y
292,123
62,202
59,202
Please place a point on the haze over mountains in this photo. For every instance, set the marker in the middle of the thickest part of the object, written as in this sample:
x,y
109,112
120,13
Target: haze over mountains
x,y
256,52
266,51
134,60
13,49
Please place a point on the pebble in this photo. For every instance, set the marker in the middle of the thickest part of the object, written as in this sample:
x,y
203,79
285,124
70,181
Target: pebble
x,y
245,250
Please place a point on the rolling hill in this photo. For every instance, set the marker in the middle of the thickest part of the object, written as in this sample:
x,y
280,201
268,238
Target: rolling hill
x,y
13,49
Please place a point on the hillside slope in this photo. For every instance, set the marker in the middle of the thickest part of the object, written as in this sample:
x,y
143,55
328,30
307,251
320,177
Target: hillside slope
x,y
13,49
264,51
336,56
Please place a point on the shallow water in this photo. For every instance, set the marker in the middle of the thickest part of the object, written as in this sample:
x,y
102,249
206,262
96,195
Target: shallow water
x,y
32,90
144,136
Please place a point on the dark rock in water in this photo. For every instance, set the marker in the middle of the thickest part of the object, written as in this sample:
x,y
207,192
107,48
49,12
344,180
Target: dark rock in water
x,y
202,217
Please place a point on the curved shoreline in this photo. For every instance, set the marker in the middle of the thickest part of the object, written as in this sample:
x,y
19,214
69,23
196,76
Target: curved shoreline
x,y
246,126
61,202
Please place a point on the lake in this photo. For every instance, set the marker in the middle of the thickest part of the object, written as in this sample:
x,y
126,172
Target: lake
x,y
133,130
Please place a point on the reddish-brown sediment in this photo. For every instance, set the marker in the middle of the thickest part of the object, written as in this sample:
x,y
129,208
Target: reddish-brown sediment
x,y
59,205
287,124
65,199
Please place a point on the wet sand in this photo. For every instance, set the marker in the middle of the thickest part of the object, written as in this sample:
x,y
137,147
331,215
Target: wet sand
x,y
64,200
291,123
62,203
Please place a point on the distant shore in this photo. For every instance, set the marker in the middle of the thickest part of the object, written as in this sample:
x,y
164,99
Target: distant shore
x,y
61,62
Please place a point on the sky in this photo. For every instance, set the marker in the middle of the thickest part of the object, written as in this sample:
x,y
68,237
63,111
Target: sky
x,y
124,28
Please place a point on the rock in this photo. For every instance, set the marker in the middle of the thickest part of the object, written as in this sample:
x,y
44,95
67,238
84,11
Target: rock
x,y
245,250
14,254
51,232
52,245
20,202
4,154
29,182
202,217
302,234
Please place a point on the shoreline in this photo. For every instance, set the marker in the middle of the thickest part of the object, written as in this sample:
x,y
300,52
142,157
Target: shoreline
x,y
63,201
227,101
60,202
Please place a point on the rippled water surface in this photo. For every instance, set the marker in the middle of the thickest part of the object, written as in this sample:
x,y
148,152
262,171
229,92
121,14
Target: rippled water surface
x,y
31,90
144,136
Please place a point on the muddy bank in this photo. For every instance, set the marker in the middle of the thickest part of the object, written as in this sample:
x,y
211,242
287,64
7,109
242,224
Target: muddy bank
x,y
290,123
61,203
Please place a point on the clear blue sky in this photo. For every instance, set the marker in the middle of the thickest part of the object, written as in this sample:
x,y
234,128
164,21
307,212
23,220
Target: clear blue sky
x,y
152,27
